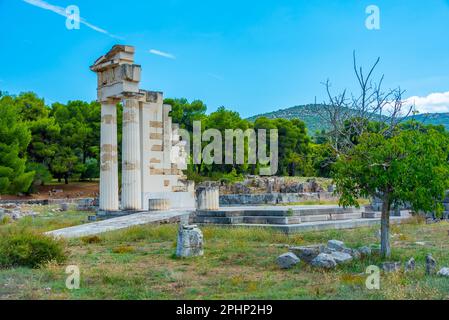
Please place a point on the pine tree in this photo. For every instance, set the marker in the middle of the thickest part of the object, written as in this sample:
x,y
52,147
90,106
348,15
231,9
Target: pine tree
x,y
14,140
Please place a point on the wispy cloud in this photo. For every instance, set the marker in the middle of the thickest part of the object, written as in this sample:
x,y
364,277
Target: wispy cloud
x,y
162,54
62,12
432,103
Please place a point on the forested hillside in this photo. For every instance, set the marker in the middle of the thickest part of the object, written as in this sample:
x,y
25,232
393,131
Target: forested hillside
x,y
309,114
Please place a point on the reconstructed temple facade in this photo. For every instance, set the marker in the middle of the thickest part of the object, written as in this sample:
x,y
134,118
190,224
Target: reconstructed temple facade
x,y
153,156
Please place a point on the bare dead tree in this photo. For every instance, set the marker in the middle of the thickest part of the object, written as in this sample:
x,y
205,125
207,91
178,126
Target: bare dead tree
x,y
347,116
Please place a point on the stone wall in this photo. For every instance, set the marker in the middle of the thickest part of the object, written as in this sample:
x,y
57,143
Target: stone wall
x,y
228,200
262,185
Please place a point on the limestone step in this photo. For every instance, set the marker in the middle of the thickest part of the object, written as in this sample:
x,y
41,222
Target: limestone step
x,y
321,225
331,217
272,220
372,215
247,220
240,213
378,214
325,211
217,220
318,213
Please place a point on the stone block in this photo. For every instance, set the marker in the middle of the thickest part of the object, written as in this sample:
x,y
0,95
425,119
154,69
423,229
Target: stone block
x,y
287,260
341,257
325,261
336,245
190,242
308,253
410,265
365,251
444,272
431,265
391,266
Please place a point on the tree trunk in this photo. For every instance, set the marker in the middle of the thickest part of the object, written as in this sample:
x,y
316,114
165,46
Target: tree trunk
x,y
66,180
385,249
292,170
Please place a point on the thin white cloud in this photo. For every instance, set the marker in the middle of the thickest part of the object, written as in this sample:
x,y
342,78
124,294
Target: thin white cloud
x,y
433,103
162,54
62,12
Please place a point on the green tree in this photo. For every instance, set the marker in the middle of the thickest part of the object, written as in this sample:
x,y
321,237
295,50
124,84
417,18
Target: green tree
x,y
42,174
65,164
79,137
222,120
184,113
14,139
323,156
294,145
409,167
44,133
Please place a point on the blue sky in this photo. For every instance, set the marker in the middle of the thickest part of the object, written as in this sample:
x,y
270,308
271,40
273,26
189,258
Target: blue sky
x,y
250,56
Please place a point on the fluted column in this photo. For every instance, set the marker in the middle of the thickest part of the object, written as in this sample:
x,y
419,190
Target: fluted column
x,y
208,198
158,205
108,158
131,171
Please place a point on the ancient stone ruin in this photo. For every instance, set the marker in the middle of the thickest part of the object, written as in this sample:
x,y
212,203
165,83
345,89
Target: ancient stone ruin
x,y
152,154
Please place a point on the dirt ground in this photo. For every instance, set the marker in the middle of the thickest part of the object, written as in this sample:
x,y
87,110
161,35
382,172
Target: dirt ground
x,y
60,191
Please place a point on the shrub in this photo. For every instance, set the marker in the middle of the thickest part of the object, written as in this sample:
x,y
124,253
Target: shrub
x,y
91,239
28,249
5,220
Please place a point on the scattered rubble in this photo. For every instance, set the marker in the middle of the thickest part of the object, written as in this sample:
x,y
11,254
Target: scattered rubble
x,y
16,211
328,256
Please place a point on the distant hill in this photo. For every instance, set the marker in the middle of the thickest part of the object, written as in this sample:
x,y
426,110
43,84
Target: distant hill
x,y
434,118
308,114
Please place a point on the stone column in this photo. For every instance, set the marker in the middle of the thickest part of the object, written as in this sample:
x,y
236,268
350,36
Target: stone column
x,y
208,198
108,158
131,171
